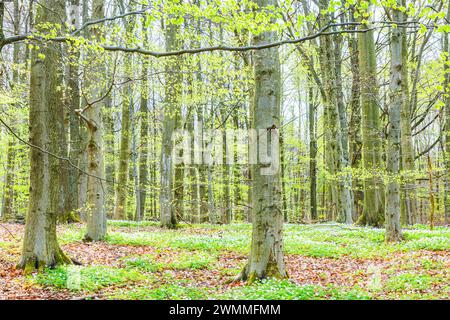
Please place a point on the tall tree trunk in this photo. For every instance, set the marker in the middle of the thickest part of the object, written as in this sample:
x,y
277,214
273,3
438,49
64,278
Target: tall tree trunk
x,y
2,33
312,150
392,214
373,210
95,214
120,205
284,206
226,174
355,120
143,154
120,210
110,160
73,102
179,190
68,213
266,256
8,200
346,193
154,164
144,150
407,150
83,151
447,124
340,188
171,115
193,173
40,245
203,187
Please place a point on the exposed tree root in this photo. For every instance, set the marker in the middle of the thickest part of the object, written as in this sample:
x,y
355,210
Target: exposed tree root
x,y
253,276
71,217
32,263
393,238
88,238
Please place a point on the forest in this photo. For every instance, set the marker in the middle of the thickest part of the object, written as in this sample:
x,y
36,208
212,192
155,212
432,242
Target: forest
x,y
224,149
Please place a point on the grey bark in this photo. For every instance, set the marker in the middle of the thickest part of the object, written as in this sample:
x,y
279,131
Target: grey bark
x,y
266,255
95,214
373,210
392,213
171,115
447,124
40,246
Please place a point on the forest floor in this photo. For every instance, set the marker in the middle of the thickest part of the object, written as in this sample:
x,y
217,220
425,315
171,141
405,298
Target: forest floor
x,y
143,261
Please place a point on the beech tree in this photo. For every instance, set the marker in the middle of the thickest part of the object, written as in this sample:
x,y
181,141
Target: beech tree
x,y
373,208
113,82
120,206
393,227
447,121
172,115
96,216
266,254
40,245
8,202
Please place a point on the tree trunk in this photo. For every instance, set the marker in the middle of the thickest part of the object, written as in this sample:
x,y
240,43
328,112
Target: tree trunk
x,y
346,193
143,154
120,206
226,174
312,151
340,187
120,209
355,119
447,125
407,150
110,159
373,210
392,214
266,256
171,115
95,213
73,103
8,200
40,245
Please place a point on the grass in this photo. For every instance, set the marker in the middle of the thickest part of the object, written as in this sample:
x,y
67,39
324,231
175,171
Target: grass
x,y
323,240
164,292
180,257
184,260
6,245
285,290
87,279
409,281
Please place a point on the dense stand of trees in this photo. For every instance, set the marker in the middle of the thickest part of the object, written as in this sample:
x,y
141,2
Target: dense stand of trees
x,y
93,94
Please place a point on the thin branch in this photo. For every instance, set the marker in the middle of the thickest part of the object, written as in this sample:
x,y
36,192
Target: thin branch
x,y
48,152
157,54
428,149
